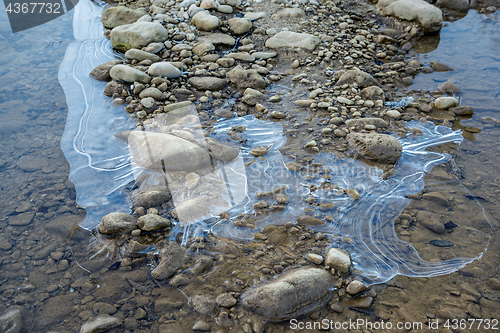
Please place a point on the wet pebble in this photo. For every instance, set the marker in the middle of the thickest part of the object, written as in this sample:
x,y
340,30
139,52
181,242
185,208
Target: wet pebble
x,y
315,258
117,222
226,300
152,222
356,287
201,325
100,324
259,151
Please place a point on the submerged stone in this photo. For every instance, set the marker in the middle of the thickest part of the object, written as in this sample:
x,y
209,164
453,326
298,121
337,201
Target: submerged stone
x,y
293,294
117,222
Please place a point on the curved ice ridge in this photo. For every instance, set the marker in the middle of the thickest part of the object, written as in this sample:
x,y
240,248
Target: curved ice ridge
x,y
101,169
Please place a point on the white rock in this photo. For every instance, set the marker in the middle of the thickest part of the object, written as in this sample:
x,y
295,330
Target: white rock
x,y
164,69
339,259
293,39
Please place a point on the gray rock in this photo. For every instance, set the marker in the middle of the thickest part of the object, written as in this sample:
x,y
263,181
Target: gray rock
x,y
462,110
225,300
207,83
5,244
171,259
203,304
11,322
430,17
338,259
377,147
114,87
202,48
356,287
264,55
289,13
293,294
431,221
160,151
373,93
226,9
449,88
204,21
255,15
252,96
201,325
217,39
32,163
137,35
226,62
150,197
114,16
101,72
164,69
377,122
221,151
139,55
21,219
246,78
362,79
460,5
239,26
100,324
242,56
152,222
152,92
117,222
293,39
128,74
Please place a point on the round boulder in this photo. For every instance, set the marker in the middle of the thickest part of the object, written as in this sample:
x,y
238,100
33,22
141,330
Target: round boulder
x,y
377,147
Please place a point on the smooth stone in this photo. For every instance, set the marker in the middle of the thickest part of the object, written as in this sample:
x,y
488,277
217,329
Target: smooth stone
x,y
264,55
436,197
356,287
152,92
293,39
149,197
21,219
201,325
394,114
208,4
253,16
164,69
373,93
382,148
242,56
377,122
153,48
439,67
305,102
293,294
362,79
177,106
101,72
217,39
204,305
344,100
338,259
451,313
11,322
309,220
207,83
315,258
289,13
202,48
259,151
148,102
198,207
494,283
440,243
116,222
100,324
221,151
449,88
139,55
5,244
430,17
152,222
114,16
246,78
252,96
459,5
31,163
226,62
226,9
192,180
462,110
160,151
137,35
171,259
225,300
128,74
352,193
239,26
443,103
204,21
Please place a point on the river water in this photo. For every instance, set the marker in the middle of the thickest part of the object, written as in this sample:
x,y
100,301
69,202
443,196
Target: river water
x,y
49,275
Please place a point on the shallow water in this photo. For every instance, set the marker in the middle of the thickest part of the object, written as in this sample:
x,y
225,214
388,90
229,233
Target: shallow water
x,y
42,273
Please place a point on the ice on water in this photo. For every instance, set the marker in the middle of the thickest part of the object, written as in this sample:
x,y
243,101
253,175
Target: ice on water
x,y
102,167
